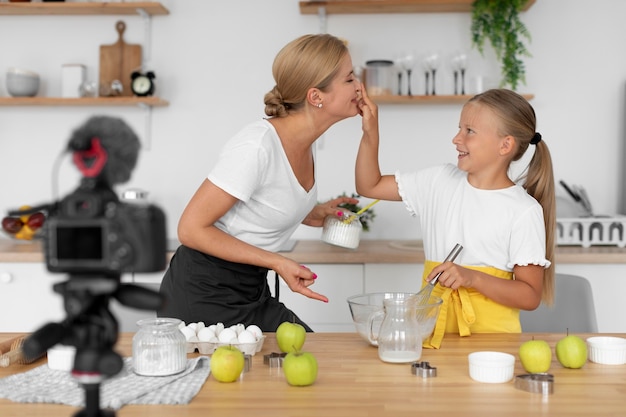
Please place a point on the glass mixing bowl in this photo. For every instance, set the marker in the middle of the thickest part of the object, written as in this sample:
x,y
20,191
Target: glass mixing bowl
x,y
362,306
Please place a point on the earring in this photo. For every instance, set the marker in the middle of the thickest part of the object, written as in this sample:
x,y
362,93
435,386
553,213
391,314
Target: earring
x,y
319,106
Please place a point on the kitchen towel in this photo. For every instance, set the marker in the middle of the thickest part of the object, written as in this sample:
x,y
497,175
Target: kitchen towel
x,y
45,385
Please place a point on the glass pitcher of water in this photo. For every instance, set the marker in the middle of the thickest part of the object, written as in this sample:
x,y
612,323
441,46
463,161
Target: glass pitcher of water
x,y
399,339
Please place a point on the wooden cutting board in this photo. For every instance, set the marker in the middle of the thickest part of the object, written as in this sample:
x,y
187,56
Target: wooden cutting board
x,y
118,61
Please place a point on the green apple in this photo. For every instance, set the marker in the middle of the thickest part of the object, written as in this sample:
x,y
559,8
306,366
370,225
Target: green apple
x,y
571,351
536,356
300,368
227,363
290,336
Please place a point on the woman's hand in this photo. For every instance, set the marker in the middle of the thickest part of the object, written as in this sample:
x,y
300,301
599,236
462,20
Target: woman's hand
x,y
298,278
316,217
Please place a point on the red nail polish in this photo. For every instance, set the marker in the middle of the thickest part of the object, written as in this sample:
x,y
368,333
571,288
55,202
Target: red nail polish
x,y
340,214
314,276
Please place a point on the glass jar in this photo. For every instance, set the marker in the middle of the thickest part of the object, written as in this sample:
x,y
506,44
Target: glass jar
x,y
379,75
159,347
342,231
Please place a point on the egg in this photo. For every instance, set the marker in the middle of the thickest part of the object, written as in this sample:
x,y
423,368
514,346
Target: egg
x,y
213,328
193,326
181,324
255,330
227,335
238,328
189,333
246,337
193,339
199,326
205,334
218,328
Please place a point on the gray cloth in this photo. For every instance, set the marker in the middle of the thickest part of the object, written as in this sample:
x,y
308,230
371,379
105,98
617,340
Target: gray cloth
x,y
44,385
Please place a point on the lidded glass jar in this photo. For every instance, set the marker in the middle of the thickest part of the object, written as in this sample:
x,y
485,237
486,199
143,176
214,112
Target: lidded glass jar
x,y
159,347
342,231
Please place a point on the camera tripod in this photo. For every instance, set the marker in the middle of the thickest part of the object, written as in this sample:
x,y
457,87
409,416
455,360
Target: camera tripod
x,y
92,329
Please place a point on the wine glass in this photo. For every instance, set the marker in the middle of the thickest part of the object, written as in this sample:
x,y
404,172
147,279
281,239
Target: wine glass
x,y
459,65
407,61
400,67
431,64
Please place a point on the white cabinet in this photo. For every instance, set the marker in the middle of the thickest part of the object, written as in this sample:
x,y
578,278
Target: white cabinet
x,y
27,300
337,282
393,277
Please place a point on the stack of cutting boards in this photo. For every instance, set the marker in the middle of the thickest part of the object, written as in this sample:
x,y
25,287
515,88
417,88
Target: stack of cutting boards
x,y
118,61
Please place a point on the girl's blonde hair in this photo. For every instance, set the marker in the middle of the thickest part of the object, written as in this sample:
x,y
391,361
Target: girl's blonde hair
x,y
517,119
308,61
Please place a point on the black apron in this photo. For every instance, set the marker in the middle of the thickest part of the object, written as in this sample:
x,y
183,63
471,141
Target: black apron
x,y
200,287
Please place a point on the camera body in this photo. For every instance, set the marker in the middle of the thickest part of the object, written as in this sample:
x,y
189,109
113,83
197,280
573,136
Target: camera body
x,y
93,232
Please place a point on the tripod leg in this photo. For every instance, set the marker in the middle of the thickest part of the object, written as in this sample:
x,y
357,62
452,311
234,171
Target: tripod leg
x,y
92,403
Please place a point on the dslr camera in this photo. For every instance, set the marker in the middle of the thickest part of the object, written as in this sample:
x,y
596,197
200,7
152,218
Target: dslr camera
x,y
92,231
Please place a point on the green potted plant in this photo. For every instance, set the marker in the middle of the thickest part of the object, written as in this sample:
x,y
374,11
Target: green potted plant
x,y
498,21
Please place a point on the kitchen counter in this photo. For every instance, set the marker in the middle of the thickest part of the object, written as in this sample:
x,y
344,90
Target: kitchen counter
x,y
352,381
369,251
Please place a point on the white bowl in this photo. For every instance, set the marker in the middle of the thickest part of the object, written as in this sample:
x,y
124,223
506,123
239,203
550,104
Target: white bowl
x,y
339,232
607,350
61,357
22,83
491,367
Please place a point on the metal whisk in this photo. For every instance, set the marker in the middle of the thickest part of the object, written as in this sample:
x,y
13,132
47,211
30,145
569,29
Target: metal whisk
x,y
423,296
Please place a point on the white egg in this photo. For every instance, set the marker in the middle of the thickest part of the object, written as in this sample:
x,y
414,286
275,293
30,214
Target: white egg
x,y
193,326
213,328
205,334
199,326
218,329
181,324
246,337
255,330
193,339
214,339
227,335
188,333
238,328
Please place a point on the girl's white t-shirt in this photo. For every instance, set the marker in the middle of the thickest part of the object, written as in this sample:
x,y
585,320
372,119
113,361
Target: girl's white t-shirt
x,y
497,228
254,168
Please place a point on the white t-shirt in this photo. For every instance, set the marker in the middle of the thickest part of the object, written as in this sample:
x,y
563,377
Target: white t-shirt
x,y
254,168
497,228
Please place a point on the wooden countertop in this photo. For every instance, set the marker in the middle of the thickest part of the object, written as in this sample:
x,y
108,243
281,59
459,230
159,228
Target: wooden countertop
x,y
369,251
352,381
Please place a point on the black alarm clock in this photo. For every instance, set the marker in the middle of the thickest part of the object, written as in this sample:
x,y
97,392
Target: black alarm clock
x,y
142,84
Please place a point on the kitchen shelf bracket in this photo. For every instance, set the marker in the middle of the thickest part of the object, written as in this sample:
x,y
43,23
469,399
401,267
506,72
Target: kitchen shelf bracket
x,y
323,18
147,116
147,37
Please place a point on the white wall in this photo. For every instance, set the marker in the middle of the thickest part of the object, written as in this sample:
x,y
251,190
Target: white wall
x,y
213,63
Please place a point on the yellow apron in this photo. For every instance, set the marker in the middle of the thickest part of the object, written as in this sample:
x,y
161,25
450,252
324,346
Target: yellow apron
x,y
465,310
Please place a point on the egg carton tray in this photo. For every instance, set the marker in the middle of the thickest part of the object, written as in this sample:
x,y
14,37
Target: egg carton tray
x,y
591,231
207,348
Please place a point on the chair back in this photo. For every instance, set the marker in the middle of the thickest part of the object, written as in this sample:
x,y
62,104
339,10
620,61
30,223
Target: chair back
x,y
573,309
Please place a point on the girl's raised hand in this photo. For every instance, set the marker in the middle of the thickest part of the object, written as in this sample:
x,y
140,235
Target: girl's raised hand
x,y
369,111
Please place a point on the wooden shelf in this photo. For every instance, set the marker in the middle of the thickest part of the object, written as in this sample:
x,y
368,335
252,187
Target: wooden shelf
x,y
390,6
437,99
78,9
84,101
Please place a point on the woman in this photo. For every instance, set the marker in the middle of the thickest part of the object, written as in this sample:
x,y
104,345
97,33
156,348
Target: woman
x,y
506,229
262,187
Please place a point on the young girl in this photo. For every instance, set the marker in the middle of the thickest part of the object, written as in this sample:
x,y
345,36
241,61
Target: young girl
x,y
506,229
